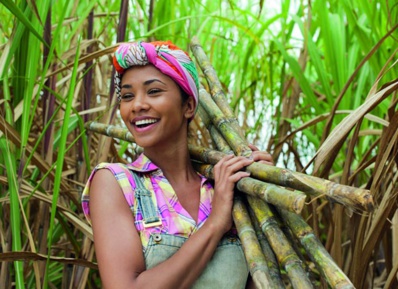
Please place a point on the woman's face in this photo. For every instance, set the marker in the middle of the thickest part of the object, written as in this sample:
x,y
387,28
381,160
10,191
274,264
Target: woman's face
x,y
152,109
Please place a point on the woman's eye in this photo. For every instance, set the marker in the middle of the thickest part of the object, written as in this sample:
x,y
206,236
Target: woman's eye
x,y
154,91
127,96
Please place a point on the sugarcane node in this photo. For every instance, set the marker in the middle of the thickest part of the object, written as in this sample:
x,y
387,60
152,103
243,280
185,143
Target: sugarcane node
x,y
207,69
268,223
291,260
221,122
218,91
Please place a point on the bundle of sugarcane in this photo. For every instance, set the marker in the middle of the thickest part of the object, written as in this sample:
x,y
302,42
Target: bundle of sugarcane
x,y
266,215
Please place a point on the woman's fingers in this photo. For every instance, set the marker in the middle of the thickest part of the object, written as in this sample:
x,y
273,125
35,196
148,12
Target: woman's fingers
x,y
253,147
261,157
229,165
227,172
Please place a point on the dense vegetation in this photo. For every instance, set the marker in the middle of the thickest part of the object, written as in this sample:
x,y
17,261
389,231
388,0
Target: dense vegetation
x,y
313,82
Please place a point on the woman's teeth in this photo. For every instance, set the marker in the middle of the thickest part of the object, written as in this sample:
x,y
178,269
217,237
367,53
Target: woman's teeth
x,y
145,122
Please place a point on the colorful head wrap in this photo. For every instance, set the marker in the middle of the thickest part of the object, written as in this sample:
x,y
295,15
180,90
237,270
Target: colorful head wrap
x,y
165,56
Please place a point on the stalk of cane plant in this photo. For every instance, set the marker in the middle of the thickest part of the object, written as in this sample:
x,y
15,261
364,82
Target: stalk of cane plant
x,y
352,197
292,201
272,263
251,247
269,192
355,198
217,138
273,194
110,130
281,246
215,86
333,275
234,140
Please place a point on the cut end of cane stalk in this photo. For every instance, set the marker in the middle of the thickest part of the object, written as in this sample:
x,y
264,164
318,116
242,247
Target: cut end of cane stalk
x,y
354,198
299,203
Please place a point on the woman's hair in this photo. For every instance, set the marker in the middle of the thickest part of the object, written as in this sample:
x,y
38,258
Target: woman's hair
x,y
165,56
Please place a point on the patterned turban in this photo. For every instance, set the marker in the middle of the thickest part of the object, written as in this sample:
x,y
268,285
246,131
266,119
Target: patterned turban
x,y
165,56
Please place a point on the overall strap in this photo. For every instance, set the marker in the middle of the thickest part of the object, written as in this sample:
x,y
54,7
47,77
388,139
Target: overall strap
x,y
135,188
145,203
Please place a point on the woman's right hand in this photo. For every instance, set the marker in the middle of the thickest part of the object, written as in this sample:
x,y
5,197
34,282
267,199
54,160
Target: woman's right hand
x,y
226,173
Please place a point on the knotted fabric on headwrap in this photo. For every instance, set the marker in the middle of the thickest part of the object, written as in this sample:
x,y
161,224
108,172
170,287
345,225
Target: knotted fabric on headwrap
x,y
165,56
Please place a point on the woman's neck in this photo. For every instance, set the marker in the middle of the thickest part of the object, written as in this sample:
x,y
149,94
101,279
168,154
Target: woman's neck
x,y
175,162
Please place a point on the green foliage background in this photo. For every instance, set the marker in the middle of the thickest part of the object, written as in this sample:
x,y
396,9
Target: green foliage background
x,y
313,82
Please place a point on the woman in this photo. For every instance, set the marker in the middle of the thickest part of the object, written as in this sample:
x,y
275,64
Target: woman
x,y
157,223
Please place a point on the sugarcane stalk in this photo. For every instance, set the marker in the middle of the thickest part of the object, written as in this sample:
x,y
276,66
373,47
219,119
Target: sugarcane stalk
x,y
234,140
292,201
273,194
254,256
272,263
301,182
345,195
110,130
211,110
355,198
281,246
215,86
329,270
269,192
217,138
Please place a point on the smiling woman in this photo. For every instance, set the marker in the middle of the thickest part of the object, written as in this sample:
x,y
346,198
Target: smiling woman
x,y
180,234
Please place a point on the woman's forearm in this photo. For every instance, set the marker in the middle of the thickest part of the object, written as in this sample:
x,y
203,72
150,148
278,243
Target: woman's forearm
x,y
183,268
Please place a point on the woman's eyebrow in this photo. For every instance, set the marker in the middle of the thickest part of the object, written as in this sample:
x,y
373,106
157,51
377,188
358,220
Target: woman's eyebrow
x,y
127,86
147,82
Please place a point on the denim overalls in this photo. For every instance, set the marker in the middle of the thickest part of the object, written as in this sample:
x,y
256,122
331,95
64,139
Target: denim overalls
x,y
226,269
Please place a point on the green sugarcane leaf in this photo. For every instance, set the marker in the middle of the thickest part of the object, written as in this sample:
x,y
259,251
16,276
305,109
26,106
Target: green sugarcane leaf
x,y
21,16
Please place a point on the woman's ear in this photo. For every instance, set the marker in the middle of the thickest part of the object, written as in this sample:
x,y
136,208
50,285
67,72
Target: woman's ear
x,y
189,107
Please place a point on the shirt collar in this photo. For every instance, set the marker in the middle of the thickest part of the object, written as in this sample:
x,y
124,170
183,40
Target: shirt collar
x,y
143,164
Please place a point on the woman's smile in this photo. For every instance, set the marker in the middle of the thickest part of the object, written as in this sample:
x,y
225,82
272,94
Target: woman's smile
x,y
142,124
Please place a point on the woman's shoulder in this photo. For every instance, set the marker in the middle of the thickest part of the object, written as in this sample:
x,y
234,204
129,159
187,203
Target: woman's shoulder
x,y
106,183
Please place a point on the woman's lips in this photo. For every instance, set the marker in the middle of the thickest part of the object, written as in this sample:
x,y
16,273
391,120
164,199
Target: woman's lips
x,y
144,124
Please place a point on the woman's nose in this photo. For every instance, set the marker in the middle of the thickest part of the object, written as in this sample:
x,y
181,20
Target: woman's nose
x,y
139,103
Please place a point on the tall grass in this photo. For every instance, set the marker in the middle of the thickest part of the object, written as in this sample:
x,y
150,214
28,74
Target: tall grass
x,y
313,82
